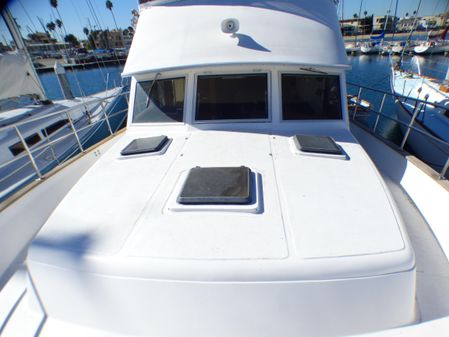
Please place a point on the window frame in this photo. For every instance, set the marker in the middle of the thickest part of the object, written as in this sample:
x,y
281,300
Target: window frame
x,y
184,107
227,121
281,103
17,148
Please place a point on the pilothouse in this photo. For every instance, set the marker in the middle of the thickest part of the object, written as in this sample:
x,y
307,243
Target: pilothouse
x,y
237,203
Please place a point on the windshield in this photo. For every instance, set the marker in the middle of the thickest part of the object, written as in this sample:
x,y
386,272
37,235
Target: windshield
x,y
165,104
227,97
310,97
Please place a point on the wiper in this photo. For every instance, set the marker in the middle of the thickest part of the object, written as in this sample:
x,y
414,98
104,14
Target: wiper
x,y
314,71
151,90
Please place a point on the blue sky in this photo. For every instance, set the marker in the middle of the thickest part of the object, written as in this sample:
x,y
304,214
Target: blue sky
x,y
76,14
380,7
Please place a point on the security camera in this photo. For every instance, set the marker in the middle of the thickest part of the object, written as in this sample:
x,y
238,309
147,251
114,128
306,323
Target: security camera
x,y
230,26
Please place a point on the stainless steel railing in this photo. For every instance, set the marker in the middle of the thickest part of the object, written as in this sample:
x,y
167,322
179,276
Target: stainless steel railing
x,y
86,124
419,105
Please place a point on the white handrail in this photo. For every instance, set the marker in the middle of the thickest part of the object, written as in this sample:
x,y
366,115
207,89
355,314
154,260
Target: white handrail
x,y
33,153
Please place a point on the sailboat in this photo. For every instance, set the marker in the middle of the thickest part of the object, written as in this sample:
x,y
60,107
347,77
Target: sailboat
x,y
435,44
39,122
374,45
429,114
352,47
238,202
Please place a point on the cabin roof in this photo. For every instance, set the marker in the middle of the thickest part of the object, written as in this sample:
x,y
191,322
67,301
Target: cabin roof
x,y
309,207
189,34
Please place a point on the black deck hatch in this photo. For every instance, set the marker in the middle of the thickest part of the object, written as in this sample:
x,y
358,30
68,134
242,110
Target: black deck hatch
x,y
145,145
317,144
217,185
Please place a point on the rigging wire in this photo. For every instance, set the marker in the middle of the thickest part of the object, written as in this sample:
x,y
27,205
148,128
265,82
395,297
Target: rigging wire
x,y
77,15
91,8
82,93
28,16
93,13
358,20
94,54
95,7
411,32
394,23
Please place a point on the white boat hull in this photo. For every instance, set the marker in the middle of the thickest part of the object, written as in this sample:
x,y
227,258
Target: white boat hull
x,y
369,49
430,49
90,128
430,150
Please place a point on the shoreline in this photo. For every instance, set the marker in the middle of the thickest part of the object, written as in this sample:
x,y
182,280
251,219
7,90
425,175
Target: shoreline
x,y
48,65
387,36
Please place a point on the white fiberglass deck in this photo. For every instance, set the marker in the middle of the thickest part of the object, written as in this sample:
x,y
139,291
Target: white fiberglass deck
x,y
320,250
319,232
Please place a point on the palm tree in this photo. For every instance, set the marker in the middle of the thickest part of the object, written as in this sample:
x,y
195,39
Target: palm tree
x,y
90,38
355,16
54,4
109,6
365,13
51,26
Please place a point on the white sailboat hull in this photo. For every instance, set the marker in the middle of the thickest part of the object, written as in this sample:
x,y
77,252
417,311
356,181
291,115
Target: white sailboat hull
x,y
432,151
429,121
371,49
426,49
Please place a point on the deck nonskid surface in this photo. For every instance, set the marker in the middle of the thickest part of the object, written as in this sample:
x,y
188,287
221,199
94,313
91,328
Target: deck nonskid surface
x,y
432,288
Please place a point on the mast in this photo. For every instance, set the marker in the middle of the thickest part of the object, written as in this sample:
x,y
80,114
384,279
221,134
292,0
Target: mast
x,y
18,40
394,19
358,21
411,31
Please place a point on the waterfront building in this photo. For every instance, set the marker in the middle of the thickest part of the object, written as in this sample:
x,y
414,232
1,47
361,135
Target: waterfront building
x,y
48,50
357,26
40,37
107,39
384,21
127,37
405,24
433,22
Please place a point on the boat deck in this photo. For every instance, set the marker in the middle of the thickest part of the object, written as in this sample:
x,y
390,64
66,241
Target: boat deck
x,y
432,289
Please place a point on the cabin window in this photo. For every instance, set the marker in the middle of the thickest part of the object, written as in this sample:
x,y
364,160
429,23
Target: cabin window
x,y
162,102
227,97
306,97
55,126
18,147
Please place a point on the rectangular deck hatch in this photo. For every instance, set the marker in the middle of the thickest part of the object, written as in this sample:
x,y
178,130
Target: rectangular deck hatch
x,y
317,144
145,145
217,185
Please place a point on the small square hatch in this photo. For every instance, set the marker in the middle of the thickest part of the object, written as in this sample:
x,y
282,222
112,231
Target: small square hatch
x,y
317,144
217,185
145,145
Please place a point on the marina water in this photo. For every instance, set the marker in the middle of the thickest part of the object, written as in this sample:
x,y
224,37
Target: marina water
x,y
83,82
374,71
